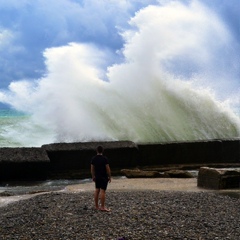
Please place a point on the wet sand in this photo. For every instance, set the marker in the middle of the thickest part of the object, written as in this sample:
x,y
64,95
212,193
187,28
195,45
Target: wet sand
x,y
159,184
122,184
155,184
134,184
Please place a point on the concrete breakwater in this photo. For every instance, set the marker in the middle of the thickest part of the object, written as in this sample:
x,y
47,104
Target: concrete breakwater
x,y
72,160
23,163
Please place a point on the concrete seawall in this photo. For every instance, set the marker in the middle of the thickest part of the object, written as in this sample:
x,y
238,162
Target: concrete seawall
x,y
24,164
72,160
199,152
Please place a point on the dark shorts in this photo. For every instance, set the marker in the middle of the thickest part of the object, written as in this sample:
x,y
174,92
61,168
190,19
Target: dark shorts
x,y
101,183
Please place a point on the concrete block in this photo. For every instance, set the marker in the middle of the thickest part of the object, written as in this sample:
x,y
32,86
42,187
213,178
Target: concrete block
x,y
218,178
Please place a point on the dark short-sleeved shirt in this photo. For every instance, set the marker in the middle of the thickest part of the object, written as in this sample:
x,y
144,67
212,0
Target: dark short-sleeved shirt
x,y
99,162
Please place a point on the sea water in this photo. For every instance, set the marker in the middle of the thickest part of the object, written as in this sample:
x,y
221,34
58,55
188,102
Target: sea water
x,y
26,187
10,121
19,190
17,129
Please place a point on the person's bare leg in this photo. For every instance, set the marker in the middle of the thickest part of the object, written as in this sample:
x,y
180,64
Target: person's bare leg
x,y
102,198
96,197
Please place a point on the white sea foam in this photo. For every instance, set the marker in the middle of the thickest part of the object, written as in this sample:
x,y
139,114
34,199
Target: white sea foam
x,y
172,84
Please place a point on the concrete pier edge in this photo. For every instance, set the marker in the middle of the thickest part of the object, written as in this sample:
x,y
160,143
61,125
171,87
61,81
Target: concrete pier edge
x,y
72,160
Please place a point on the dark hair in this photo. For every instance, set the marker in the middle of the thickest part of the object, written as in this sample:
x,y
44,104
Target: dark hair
x,y
100,149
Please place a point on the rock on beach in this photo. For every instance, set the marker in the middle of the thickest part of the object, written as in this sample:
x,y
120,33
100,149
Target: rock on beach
x,y
134,215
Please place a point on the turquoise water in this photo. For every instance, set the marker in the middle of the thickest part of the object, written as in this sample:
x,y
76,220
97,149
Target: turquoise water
x,y
17,129
10,122
10,113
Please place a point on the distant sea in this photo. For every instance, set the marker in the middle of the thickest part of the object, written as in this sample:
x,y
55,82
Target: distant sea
x,y
18,130
10,122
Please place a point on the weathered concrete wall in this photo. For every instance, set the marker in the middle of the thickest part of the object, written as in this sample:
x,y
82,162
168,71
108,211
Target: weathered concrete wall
x,y
216,151
230,151
78,155
23,164
73,159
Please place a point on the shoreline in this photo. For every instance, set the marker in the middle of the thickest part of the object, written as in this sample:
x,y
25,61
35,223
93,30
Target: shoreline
x,y
138,184
137,214
122,184
141,208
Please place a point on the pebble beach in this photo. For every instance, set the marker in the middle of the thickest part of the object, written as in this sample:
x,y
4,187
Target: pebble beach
x,y
153,211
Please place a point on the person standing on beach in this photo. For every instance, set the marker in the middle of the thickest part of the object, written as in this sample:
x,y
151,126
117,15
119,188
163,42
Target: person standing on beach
x,y
101,175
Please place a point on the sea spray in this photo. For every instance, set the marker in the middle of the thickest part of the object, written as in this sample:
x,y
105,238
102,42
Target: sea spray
x,y
163,90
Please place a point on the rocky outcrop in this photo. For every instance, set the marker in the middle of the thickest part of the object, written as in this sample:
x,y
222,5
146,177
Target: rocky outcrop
x,y
137,173
140,173
178,174
23,164
213,178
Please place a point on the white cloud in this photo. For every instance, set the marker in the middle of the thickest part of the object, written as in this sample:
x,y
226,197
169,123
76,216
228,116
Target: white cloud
x,y
37,25
188,31
148,95
5,37
143,100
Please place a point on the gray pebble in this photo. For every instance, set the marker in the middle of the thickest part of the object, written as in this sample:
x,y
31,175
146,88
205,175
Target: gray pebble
x,y
135,215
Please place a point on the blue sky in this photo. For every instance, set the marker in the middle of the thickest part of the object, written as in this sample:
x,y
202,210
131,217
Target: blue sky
x,y
69,63
28,27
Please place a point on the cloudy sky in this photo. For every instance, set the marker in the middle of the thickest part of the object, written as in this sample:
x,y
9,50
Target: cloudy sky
x,y
80,65
29,27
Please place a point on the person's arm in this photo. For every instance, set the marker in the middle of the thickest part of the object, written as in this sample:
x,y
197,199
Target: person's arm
x,y
93,172
108,172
